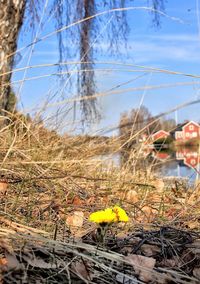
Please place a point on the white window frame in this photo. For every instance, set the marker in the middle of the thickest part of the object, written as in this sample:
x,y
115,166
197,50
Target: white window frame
x,y
194,134
191,127
187,134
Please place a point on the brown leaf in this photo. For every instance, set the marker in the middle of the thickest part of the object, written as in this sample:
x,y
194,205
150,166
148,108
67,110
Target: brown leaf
x,y
171,262
150,250
196,272
90,200
9,262
148,214
155,197
142,265
159,184
3,262
81,269
75,220
3,187
12,262
6,245
104,200
132,196
77,201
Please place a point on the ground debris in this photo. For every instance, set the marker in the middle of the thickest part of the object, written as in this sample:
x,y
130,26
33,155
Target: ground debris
x,y
161,255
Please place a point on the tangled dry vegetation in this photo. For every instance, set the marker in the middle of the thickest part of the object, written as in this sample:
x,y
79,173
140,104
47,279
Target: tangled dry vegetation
x,y
49,186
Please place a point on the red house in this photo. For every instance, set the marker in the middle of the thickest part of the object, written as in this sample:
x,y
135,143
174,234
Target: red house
x,y
161,134
186,131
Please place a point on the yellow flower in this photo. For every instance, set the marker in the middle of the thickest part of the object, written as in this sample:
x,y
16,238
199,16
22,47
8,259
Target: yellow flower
x,y
121,214
103,216
109,215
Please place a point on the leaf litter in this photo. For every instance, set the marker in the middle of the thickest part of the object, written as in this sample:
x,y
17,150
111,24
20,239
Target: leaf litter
x,y
163,255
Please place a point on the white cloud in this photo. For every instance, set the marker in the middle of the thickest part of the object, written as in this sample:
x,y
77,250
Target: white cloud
x,y
150,51
156,49
175,37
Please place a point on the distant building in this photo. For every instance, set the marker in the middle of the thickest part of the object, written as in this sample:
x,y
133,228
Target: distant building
x,y
186,131
161,134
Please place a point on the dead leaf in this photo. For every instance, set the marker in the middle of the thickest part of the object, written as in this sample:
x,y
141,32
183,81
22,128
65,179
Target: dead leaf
x,y
171,262
12,262
81,269
159,184
171,213
104,200
154,197
150,250
127,249
77,201
3,262
6,245
148,214
196,272
90,200
142,265
161,278
83,232
75,220
132,196
3,187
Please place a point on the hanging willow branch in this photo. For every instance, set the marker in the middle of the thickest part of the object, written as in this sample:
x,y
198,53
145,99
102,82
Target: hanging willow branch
x,y
78,40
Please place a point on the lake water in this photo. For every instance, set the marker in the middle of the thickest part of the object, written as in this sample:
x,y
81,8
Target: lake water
x,y
184,162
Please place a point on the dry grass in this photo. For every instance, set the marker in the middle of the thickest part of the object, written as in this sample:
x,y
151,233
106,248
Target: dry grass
x,y
46,172
49,178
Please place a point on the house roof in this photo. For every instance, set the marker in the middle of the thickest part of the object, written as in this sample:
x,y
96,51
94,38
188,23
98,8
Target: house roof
x,y
163,131
191,122
181,125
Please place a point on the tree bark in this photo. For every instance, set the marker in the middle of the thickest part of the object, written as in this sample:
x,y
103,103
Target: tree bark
x,y
11,19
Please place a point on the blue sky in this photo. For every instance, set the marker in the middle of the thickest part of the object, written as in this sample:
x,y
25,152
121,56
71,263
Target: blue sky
x,y
174,46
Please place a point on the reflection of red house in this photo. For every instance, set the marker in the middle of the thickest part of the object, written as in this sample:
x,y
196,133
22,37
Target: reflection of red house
x,y
190,158
161,134
186,131
162,155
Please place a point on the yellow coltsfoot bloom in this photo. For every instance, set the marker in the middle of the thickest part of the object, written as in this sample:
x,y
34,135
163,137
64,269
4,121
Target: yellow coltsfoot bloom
x,y
120,214
103,216
109,215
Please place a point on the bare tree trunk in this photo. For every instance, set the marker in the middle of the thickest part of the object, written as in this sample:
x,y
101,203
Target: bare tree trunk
x,y
11,19
87,79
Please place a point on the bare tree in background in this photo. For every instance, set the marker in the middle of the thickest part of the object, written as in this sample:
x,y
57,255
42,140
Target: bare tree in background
x,y
14,13
131,123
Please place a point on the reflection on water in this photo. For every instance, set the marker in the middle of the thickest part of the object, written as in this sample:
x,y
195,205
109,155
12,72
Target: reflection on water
x,y
183,162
